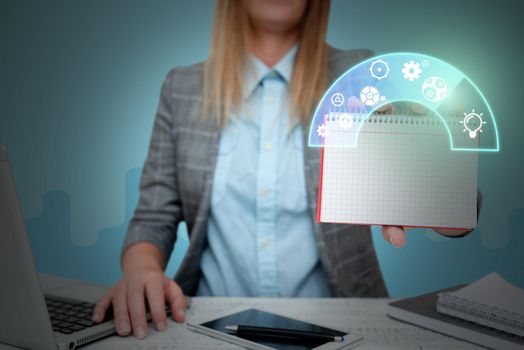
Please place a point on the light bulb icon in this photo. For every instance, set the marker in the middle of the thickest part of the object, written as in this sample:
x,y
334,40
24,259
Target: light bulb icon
x,y
473,123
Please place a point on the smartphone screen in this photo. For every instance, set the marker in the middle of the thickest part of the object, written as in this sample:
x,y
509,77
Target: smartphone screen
x,y
253,317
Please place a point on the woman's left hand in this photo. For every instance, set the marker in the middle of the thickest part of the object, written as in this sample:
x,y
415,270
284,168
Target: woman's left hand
x,y
396,235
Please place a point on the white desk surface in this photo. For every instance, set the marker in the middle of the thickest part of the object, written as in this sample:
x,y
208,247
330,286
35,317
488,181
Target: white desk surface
x,y
366,317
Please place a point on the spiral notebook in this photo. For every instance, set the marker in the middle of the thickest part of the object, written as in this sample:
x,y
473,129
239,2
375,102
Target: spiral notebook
x,y
401,172
488,312
491,301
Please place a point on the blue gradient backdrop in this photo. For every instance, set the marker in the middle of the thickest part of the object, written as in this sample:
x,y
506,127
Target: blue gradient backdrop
x,y
79,85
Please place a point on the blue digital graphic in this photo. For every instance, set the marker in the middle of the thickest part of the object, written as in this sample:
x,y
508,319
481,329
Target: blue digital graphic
x,y
463,110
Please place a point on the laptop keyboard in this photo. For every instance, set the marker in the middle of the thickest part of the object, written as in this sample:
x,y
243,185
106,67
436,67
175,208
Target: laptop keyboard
x,y
68,316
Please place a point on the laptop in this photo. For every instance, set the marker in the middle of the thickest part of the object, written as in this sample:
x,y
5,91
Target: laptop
x,y
39,312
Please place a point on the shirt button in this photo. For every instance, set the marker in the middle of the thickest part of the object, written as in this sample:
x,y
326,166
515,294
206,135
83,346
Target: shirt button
x,y
270,99
265,243
268,146
263,193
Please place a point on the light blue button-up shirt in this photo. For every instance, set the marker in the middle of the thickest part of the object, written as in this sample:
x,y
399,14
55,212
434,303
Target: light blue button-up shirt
x,y
260,233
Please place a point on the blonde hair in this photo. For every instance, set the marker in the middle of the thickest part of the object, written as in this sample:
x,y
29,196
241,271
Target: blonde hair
x,y
224,70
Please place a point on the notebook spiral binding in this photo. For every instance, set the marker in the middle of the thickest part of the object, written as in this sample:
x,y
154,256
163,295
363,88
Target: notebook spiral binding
x,y
395,118
489,316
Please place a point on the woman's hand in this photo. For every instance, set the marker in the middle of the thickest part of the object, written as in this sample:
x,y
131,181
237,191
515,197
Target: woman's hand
x,y
142,280
396,235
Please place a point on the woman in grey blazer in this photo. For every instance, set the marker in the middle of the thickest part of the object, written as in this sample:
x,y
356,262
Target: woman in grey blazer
x,y
227,156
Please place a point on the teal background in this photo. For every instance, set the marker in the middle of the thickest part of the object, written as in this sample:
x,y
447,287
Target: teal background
x,y
79,85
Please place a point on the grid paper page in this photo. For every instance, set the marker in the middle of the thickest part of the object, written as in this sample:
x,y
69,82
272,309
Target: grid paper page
x,y
401,173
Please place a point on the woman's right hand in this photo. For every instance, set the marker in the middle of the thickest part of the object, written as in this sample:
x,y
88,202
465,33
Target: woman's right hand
x,y
142,280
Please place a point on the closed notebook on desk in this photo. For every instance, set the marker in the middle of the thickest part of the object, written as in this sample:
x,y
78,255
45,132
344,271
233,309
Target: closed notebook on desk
x,y
401,172
422,311
491,302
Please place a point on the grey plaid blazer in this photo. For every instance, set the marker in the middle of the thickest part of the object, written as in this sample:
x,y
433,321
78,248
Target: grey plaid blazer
x,y
178,174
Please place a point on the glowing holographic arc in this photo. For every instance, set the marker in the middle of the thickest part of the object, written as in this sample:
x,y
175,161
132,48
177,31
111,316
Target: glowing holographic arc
x,y
411,77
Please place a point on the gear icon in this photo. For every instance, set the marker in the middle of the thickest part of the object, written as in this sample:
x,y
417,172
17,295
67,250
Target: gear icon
x,y
379,69
337,99
370,96
434,89
322,130
345,121
411,70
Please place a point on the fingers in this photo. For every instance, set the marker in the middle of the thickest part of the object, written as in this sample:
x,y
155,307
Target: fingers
x,y
122,322
387,108
137,310
156,301
394,235
102,306
128,298
176,300
418,108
